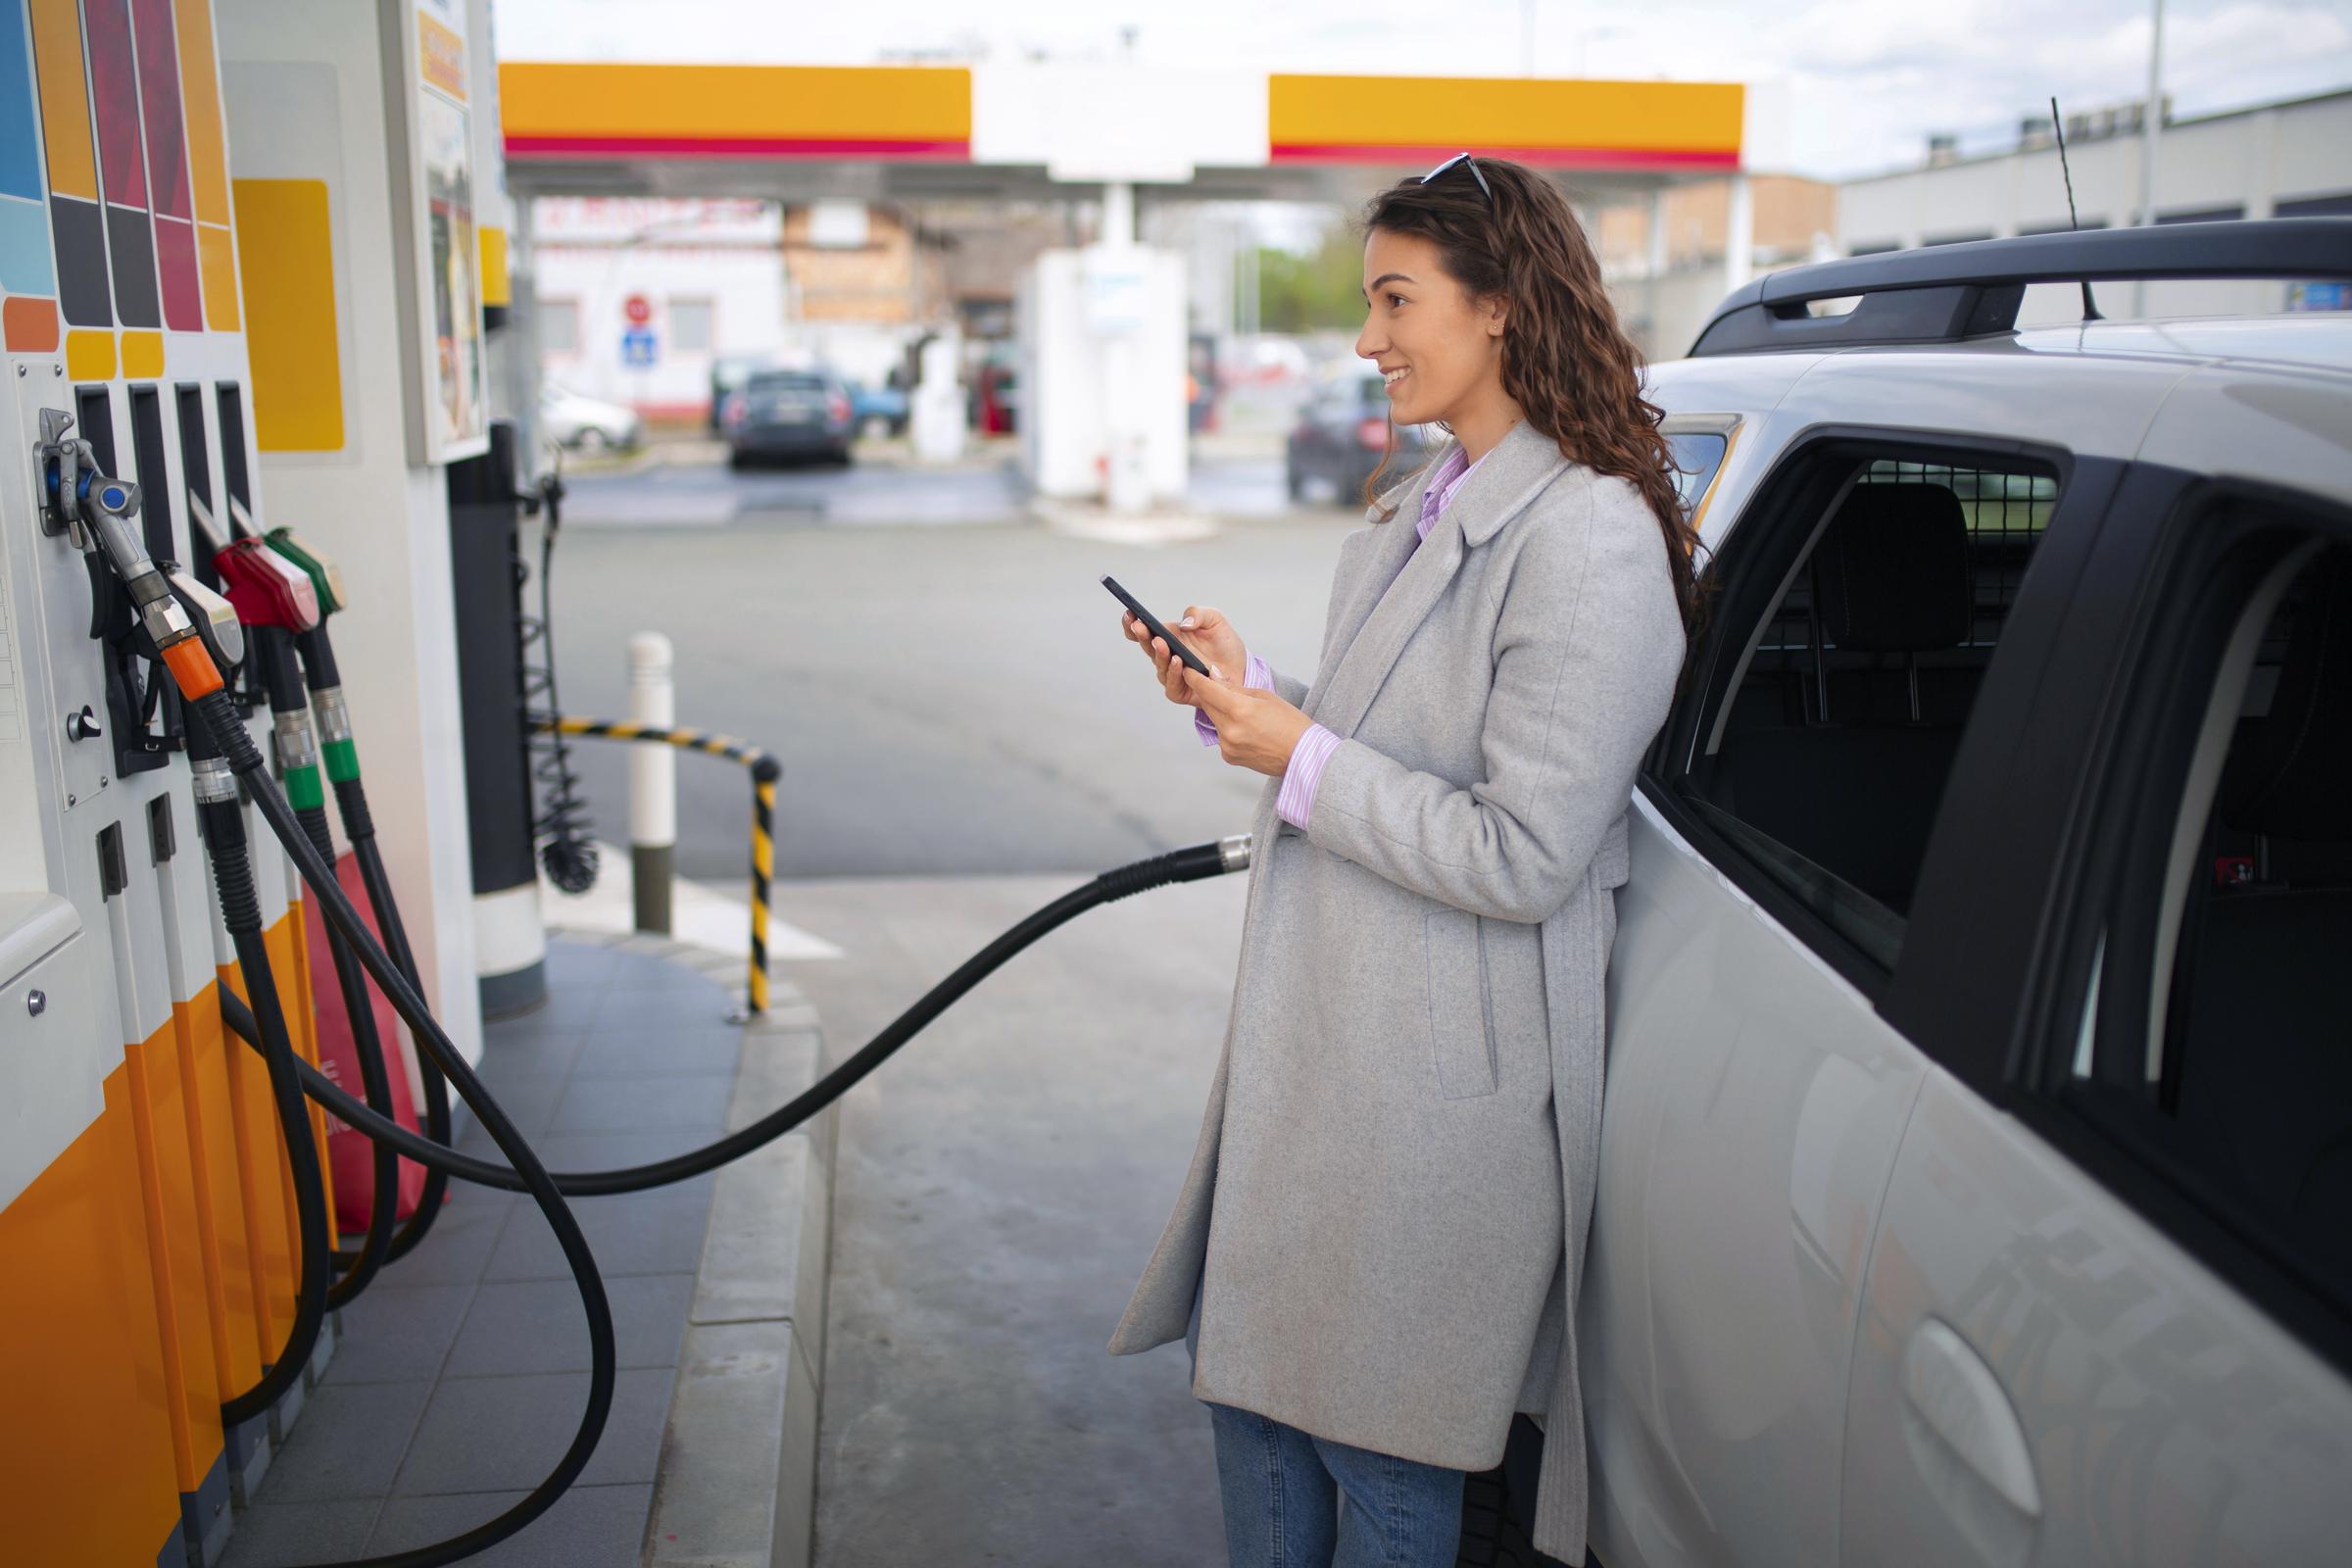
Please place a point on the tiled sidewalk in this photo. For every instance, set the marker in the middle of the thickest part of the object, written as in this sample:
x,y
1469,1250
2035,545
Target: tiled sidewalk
x,y
460,1373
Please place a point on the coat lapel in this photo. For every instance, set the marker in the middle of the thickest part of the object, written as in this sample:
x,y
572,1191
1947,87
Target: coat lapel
x,y
1386,605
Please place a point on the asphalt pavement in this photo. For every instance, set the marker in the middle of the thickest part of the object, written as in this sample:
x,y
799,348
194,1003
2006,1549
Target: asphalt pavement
x,y
999,1183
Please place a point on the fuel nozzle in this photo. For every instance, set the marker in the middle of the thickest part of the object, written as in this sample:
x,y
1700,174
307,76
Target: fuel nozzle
x,y
325,582
216,619
267,589
94,511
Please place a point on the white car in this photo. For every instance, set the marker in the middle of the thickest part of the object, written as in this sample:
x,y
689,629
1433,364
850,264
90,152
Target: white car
x,y
588,424
1975,1179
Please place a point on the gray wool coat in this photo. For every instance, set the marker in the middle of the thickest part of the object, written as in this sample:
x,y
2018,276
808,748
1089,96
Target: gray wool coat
x,y
1387,1209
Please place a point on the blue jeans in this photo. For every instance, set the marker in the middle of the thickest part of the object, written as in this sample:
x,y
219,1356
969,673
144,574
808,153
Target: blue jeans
x,y
1296,1500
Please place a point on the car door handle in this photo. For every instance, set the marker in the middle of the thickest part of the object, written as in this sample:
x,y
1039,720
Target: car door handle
x,y
1961,1401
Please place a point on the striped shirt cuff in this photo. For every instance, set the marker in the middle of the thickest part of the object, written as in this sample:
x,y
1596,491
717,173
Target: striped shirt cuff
x,y
1259,675
1308,760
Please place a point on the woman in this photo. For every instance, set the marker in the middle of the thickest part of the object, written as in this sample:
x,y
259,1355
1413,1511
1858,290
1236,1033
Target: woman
x,y
1377,1247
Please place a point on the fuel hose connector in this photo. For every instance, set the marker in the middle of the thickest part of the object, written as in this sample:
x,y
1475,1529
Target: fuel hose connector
x,y
332,718
1229,854
297,761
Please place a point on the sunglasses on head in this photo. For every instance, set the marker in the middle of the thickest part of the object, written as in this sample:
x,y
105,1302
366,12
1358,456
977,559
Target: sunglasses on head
x,y
1463,158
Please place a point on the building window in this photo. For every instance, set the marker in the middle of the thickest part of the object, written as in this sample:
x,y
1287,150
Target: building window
x,y
1871,247
2315,207
690,326
1968,238
2063,227
559,326
2203,214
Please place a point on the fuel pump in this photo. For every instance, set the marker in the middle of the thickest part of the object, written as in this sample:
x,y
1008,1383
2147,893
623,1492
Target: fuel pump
x,y
171,621
102,504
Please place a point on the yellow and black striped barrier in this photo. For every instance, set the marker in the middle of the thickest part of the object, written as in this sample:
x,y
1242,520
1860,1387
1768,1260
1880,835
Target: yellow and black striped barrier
x,y
765,770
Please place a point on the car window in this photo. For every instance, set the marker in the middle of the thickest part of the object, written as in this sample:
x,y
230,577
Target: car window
x,y
786,381
1696,455
1372,394
2217,1026
1871,614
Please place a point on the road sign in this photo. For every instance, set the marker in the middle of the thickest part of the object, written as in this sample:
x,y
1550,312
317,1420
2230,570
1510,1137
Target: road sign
x,y
638,309
637,350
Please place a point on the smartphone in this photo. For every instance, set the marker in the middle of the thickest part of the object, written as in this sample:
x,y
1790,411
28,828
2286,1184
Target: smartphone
x,y
1152,626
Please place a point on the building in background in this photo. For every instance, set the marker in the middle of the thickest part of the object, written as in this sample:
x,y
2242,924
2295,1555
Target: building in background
x,y
1665,257
2280,160
642,300
638,297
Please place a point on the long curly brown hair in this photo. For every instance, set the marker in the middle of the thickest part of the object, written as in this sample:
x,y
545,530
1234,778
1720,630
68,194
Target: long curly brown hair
x,y
1565,359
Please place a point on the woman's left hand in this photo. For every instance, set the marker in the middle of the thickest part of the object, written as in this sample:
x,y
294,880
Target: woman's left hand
x,y
1256,728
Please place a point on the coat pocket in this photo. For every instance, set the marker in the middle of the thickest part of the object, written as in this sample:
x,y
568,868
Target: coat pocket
x,y
1459,1036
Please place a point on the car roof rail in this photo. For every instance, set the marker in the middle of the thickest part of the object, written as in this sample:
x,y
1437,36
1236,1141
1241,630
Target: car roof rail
x,y
1944,293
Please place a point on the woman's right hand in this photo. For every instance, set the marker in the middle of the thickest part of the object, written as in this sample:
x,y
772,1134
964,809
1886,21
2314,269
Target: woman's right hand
x,y
1205,631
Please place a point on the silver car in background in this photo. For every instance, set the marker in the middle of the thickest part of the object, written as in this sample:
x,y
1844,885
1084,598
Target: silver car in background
x,y
1975,1179
588,424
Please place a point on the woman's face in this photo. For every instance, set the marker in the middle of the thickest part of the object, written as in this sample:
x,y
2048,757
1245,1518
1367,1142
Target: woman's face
x,y
1441,351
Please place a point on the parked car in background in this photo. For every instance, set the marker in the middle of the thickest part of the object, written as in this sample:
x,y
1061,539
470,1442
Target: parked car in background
x,y
1342,434
878,411
587,424
788,414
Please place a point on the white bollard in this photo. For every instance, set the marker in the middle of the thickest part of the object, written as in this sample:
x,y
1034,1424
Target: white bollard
x,y
653,781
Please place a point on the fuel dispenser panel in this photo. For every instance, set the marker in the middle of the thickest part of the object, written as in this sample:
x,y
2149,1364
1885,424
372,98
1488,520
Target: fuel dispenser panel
x,y
63,669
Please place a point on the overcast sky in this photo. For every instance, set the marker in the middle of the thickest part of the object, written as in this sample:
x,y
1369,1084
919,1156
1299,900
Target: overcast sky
x,y
1863,81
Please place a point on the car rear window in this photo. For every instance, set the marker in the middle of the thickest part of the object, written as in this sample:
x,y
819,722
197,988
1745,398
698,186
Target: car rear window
x,y
1696,455
788,381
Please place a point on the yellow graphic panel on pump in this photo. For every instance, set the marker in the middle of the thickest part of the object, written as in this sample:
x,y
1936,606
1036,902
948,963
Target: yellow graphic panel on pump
x,y
289,271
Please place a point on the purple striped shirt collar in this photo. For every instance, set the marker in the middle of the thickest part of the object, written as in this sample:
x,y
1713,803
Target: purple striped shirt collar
x,y
1442,484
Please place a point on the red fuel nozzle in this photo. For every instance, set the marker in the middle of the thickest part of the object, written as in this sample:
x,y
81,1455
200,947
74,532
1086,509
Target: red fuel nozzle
x,y
266,589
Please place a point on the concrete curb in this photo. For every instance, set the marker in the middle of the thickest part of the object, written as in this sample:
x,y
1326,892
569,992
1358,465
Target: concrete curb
x,y
735,1486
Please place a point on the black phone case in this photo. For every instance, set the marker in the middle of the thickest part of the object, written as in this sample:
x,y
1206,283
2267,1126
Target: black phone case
x,y
1151,624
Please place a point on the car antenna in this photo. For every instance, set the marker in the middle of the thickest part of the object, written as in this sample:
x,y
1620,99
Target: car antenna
x,y
2090,311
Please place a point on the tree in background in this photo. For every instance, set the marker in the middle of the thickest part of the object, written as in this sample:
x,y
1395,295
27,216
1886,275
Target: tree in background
x,y
1319,291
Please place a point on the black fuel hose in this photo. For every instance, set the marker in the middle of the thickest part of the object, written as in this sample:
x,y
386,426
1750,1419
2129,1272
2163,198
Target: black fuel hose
x,y
223,824
298,759
213,710
360,828
1179,865
358,1010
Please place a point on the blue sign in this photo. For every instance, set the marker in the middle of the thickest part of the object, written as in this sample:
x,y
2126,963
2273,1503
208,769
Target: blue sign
x,y
2319,297
637,350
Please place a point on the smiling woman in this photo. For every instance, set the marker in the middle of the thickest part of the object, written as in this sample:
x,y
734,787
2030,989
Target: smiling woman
x,y
1375,1256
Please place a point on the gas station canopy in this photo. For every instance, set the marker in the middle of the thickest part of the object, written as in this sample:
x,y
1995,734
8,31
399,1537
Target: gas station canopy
x,y
1033,130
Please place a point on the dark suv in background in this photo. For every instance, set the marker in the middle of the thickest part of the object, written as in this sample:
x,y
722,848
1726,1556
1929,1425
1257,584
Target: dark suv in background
x,y
1342,434
788,414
